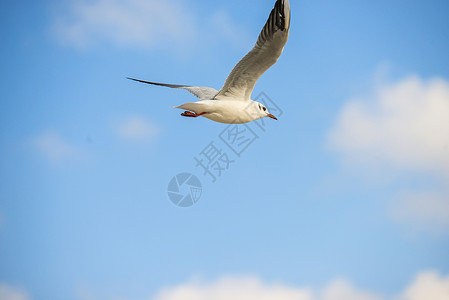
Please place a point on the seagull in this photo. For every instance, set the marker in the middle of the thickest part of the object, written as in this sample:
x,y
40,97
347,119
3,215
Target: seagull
x,y
232,104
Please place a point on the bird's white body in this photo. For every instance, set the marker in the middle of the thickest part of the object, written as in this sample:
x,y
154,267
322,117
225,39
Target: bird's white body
x,y
232,103
231,111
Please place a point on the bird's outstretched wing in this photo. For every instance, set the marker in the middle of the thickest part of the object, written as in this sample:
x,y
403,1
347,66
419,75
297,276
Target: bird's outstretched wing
x,y
272,39
203,93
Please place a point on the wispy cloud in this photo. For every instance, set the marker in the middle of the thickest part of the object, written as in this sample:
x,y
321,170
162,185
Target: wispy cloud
x,y
55,147
426,285
12,293
402,131
149,24
144,23
137,129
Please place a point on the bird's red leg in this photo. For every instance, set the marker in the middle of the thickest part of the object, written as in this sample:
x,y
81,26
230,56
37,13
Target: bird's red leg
x,y
191,114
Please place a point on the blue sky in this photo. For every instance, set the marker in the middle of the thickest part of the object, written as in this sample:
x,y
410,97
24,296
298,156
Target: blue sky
x,y
346,196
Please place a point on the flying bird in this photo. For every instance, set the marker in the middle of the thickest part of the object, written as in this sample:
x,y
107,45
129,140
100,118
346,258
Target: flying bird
x,y
232,104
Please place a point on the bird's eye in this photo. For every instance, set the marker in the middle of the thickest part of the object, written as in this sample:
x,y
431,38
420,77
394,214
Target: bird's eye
x,y
264,108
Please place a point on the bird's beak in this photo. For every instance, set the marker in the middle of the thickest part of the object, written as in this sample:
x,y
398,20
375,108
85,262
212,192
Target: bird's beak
x,y
271,116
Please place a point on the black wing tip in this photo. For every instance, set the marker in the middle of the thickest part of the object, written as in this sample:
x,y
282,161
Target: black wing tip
x,y
144,81
282,18
278,20
139,80
174,86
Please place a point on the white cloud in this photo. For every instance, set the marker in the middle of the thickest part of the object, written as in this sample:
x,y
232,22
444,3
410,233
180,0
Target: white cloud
x,y
427,285
236,289
137,129
402,131
12,293
125,22
344,290
54,147
405,126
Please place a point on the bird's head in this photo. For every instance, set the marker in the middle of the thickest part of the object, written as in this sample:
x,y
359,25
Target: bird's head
x,y
262,111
